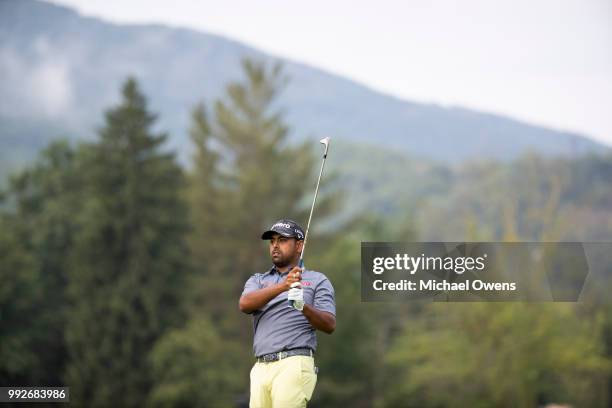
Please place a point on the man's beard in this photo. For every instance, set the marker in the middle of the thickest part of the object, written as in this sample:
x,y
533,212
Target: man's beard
x,y
281,262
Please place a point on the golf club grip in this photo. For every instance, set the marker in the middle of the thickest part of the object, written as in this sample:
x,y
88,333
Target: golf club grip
x,y
301,265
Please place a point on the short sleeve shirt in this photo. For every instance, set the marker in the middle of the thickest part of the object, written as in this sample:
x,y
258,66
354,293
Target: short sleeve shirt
x,y
277,326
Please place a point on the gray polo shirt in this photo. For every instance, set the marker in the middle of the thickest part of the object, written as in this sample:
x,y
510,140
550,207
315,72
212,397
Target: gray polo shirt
x,y
277,326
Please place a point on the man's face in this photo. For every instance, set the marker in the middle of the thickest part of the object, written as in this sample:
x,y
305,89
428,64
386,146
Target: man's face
x,y
284,251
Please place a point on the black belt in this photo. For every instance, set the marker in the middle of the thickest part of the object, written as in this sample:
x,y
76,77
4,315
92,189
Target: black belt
x,y
268,358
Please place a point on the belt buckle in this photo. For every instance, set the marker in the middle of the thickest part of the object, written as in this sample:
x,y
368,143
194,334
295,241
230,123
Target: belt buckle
x,y
282,354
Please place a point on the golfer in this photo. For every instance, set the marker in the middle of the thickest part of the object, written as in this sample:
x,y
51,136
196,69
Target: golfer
x,y
288,304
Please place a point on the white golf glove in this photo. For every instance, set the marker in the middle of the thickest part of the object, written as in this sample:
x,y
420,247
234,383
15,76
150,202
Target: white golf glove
x,y
296,296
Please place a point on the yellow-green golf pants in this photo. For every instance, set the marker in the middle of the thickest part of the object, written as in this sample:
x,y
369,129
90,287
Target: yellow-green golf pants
x,y
286,383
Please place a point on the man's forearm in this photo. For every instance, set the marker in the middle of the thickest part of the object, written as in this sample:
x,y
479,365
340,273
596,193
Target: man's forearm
x,y
323,321
259,298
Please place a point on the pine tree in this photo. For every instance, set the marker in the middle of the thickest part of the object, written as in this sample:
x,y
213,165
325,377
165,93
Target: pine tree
x,y
208,198
40,227
269,177
19,302
129,263
246,175
255,176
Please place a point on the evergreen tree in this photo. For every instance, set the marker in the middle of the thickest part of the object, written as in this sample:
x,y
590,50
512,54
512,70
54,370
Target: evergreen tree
x,y
245,176
19,294
208,198
40,228
129,263
498,355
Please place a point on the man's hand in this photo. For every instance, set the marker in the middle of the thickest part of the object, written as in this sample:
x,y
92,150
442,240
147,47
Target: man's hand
x,y
258,299
294,275
296,296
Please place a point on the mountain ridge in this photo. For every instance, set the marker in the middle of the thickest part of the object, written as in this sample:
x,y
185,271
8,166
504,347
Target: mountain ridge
x,y
78,63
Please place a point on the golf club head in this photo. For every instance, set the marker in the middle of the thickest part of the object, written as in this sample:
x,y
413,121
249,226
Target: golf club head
x,y
325,141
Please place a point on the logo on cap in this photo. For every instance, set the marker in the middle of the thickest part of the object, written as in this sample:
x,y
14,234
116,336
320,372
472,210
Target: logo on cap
x,y
280,224
287,228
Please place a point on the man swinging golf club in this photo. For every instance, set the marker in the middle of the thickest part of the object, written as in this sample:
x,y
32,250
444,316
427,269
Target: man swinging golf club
x,y
284,324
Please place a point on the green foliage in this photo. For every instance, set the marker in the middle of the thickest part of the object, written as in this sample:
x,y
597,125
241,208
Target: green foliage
x,y
129,261
196,367
19,304
498,355
385,182
349,348
351,361
45,200
532,198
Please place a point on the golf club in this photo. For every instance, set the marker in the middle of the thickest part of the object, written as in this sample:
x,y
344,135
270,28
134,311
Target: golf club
x,y
324,141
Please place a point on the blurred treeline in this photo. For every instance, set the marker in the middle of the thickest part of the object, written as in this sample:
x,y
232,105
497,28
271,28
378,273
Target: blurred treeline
x,y
120,270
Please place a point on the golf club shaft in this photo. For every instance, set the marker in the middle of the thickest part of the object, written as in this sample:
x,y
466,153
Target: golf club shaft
x,y
325,141
301,262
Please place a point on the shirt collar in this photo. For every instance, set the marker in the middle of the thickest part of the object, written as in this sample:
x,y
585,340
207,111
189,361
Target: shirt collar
x,y
270,271
273,270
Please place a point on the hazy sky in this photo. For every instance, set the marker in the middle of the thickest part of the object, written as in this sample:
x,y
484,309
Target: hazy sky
x,y
547,62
